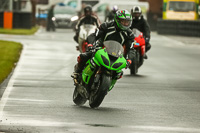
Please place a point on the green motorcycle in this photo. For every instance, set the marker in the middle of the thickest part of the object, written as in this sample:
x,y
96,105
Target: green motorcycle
x,y
100,74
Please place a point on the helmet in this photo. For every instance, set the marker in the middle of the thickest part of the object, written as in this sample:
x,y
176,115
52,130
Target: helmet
x,y
123,19
88,10
115,8
136,12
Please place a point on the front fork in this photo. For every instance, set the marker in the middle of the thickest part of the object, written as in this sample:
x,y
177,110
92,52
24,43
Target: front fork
x,y
97,77
115,78
112,84
89,70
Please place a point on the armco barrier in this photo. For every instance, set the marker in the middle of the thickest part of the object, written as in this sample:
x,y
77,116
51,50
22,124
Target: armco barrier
x,y
178,27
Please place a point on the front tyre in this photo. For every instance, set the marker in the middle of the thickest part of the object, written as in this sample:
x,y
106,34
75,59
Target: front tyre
x,y
134,65
134,69
78,99
100,91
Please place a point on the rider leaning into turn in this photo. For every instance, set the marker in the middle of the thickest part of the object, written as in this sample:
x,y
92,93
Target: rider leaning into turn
x,y
117,30
87,18
142,25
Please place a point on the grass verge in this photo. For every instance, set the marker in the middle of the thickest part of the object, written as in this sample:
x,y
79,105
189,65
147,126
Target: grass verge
x,y
19,31
9,55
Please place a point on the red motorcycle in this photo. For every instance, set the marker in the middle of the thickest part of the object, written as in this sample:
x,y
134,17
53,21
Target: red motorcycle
x,y
139,46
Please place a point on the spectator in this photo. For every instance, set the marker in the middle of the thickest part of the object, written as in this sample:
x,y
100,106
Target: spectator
x,y
50,23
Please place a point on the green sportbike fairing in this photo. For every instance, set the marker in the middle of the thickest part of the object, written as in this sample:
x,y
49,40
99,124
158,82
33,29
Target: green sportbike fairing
x,y
100,74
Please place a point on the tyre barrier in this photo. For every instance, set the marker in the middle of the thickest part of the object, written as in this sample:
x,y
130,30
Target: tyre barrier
x,y
178,27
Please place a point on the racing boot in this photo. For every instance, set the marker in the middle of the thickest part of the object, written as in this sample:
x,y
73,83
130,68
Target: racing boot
x,y
82,59
76,72
145,56
147,48
78,67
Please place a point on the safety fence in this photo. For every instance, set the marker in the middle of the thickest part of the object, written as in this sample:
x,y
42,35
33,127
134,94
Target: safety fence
x,y
178,27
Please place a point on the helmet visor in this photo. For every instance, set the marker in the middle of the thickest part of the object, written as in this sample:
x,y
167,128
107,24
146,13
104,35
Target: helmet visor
x,y
125,22
88,13
136,14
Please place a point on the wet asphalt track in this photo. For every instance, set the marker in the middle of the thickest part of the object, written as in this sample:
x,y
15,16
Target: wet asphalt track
x,y
163,98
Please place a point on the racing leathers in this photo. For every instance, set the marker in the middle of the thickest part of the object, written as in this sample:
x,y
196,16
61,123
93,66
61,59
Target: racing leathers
x,y
143,26
85,20
108,31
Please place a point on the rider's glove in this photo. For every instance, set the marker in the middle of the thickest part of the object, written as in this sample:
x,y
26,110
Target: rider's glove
x,y
128,63
90,47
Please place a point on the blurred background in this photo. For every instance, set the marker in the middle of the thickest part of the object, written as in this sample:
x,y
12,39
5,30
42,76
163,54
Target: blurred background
x,y
180,17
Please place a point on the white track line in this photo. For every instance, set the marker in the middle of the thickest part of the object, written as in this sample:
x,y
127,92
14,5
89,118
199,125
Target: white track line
x,y
166,129
9,88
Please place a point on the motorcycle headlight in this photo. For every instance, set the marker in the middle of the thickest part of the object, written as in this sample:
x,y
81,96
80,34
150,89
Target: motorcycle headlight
x,y
74,18
105,61
117,65
53,19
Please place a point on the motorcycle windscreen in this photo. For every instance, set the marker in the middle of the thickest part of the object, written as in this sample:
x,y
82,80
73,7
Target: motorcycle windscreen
x,y
136,32
89,27
114,48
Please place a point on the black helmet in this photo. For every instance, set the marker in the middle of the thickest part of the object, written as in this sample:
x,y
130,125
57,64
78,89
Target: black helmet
x,y
136,12
88,10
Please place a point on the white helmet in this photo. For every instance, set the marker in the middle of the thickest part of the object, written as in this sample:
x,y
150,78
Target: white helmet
x,y
136,12
115,8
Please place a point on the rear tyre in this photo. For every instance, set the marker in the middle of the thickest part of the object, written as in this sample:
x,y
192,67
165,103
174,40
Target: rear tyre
x,y
102,87
78,99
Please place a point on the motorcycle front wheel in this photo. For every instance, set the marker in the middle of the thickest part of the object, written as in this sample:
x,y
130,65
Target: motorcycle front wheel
x,y
134,65
102,87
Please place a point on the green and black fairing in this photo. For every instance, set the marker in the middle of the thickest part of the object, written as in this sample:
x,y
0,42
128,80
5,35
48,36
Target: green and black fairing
x,y
110,59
